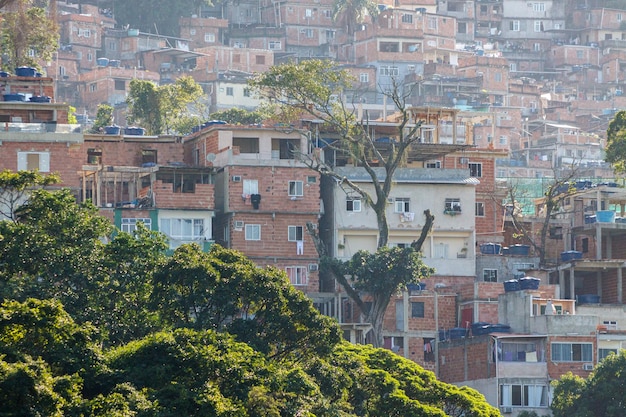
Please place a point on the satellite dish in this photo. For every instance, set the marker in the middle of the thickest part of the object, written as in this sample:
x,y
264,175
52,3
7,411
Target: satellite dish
x,y
210,157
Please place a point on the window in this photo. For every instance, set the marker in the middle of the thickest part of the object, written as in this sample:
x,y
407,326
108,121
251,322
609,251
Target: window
x,y
619,17
514,25
353,204
149,156
328,14
275,45
461,27
183,229
523,395
476,169
603,353
537,47
585,244
120,85
246,92
572,352
453,205
230,91
89,56
308,33
308,12
432,23
331,34
519,352
440,251
389,71
311,179
407,18
93,87
31,161
247,145
480,209
84,32
295,233
433,164
130,225
250,187
403,205
580,54
94,156
490,275
429,349
538,26
253,232
209,37
503,140
297,274
497,77
192,31
364,77
295,189
417,309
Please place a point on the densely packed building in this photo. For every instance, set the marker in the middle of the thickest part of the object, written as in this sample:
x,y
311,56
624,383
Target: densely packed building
x,y
507,89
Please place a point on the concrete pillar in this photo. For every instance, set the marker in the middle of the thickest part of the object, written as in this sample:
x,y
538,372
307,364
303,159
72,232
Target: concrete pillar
x,y
619,285
561,283
572,284
599,282
598,241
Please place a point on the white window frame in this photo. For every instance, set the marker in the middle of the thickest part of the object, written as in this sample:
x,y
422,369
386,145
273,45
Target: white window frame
x,y
364,77
407,18
453,204
43,161
490,275
129,224
389,71
308,12
402,205
275,45
537,25
296,189
297,274
353,204
209,37
559,352
250,187
539,7
476,169
515,25
181,228
253,231
432,22
503,140
295,232
480,209
230,91
526,395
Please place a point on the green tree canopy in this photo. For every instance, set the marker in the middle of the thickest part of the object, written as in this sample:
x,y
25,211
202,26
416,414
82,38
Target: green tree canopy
x,y
601,394
15,186
104,117
616,142
161,109
24,31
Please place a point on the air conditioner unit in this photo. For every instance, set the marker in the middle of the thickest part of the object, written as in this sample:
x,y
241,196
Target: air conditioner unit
x,y
588,366
313,267
239,224
506,410
236,178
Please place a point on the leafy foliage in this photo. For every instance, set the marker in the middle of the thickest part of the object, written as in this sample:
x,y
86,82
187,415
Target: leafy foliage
x,y
238,116
104,117
194,334
28,29
601,394
616,142
163,108
15,186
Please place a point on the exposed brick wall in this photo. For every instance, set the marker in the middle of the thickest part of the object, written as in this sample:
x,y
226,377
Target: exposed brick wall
x,y
465,359
201,198
556,369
